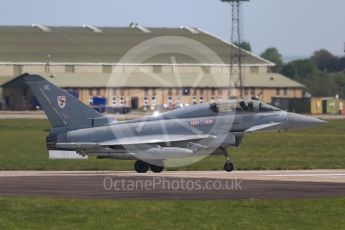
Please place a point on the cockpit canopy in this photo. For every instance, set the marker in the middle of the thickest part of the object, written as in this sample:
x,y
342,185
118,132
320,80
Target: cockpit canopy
x,y
253,106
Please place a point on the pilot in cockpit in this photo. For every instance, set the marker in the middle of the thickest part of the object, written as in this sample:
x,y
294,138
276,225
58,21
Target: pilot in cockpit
x,y
251,107
243,106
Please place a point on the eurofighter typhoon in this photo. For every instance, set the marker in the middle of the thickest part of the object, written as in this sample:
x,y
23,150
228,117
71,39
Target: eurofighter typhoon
x,y
193,131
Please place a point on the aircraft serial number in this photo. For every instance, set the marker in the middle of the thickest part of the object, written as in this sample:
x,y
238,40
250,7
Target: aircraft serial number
x,y
202,122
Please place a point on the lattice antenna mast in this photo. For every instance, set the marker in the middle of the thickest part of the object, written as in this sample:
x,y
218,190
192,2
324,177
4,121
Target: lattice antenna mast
x,y
237,39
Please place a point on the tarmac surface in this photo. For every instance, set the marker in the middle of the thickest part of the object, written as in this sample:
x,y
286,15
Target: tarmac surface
x,y
212,185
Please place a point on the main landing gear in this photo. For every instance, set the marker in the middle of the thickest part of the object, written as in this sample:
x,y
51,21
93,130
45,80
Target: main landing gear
x,y
143,167
228,166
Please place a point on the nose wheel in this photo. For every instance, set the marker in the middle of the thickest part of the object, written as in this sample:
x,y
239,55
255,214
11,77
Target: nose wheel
x,y
228,166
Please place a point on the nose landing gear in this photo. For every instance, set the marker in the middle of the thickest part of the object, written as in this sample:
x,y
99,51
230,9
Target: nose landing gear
x,y
228,166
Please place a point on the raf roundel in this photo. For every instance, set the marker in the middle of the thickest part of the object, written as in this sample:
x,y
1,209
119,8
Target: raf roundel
x,y
61,100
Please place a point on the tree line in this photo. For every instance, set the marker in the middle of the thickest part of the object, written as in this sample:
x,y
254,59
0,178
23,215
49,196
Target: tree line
x,y
323,73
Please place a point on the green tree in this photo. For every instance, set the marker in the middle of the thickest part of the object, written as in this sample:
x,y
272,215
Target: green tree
x,y
272,54
339,79
301,70
341,64
317,83
326,61
322,86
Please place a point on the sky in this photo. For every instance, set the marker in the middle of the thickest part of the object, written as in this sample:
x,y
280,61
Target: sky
x,y
295,27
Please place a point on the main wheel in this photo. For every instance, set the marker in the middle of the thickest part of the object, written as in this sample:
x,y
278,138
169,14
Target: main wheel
x,y
158,167
141,166
229,167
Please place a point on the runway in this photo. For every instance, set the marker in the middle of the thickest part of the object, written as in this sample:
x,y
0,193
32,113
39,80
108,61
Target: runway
x,y
175,185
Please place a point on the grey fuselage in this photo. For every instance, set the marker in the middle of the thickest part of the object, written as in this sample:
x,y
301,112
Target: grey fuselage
x,y
218,129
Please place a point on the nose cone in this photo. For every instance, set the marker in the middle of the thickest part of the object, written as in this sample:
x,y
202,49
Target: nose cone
x,y
296,121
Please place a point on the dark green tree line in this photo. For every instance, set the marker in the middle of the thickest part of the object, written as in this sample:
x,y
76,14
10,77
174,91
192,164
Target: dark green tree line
x,y
323,73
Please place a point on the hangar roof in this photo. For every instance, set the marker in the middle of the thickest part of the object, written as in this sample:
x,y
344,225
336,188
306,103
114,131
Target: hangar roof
x,y
88,44
72,80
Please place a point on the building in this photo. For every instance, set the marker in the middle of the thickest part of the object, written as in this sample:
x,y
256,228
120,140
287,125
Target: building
x,y
133,66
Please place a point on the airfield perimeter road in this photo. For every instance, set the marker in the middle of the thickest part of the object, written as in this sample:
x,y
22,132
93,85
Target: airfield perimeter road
x,y
175,185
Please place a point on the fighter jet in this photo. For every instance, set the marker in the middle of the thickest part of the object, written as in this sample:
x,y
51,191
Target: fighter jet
x,y
192,131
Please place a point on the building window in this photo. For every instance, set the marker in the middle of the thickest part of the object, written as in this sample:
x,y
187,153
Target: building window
x,y
90,92
178,92
146,101
194,101
69,69
278,92
254,69
285,92
157,69
114,100
170,100
201,91
146,91
98,92
107,69
213,91
186,91
122,101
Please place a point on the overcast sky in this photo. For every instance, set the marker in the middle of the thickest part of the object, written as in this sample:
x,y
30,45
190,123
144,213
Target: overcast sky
x,y
295,27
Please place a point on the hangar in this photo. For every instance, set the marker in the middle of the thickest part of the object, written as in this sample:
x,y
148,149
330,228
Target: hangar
x,y
100,62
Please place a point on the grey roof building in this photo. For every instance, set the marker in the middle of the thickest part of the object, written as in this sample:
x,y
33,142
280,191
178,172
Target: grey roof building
x,y
138,59
22,44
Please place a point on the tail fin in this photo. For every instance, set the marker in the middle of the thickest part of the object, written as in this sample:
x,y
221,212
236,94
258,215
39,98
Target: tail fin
x,y
61,108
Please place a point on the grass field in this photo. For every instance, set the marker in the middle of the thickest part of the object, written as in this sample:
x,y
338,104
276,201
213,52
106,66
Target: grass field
x,y
37,213
22,147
